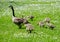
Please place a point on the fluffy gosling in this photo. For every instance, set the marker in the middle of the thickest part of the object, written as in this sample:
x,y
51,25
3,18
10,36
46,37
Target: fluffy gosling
x,y
31,17
47,20
29,27
41,24
50,25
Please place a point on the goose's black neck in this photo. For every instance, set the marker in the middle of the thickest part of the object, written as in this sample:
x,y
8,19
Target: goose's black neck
x,y
12,10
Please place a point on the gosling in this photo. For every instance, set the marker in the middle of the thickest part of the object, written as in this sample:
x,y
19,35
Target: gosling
x,y
41,24
29,27
47,20
31,17
50,25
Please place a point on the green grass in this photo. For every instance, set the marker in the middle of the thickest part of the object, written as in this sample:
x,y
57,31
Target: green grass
x,y
9,32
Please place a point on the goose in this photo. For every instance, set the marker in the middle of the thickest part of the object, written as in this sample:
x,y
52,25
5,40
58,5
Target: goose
x,y
29,27
41,24
17,21
50,25
47,20
31,17
25,20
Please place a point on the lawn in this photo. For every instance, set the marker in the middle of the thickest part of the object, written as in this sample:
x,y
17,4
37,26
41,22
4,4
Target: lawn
x,y
9,32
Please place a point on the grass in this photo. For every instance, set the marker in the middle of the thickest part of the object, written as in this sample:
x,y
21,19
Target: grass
x,y
9,32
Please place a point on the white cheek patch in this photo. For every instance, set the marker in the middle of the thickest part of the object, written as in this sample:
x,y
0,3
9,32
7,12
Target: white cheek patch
x,y
13,18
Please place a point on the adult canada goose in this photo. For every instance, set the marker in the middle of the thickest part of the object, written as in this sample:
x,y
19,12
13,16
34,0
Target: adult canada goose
x,y
17,21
